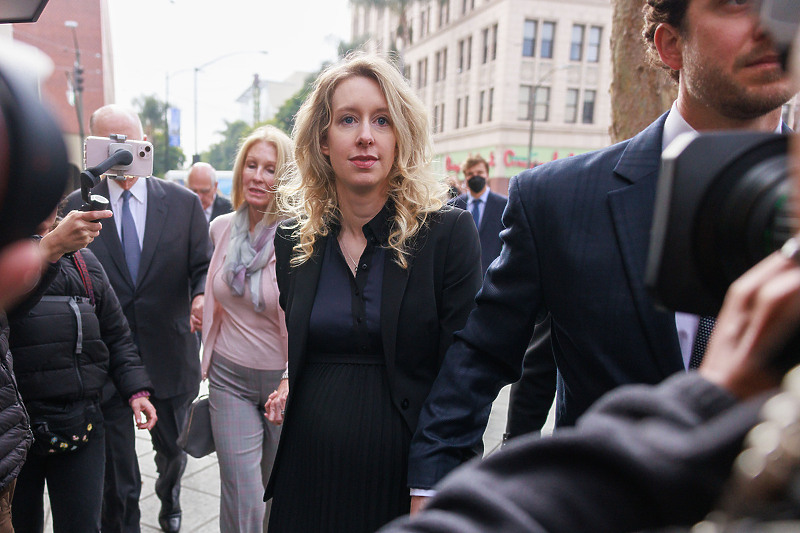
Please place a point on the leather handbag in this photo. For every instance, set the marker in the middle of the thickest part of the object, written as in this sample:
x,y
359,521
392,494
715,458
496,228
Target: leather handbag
x,y
197,439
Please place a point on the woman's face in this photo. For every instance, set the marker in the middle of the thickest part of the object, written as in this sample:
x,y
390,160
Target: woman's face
x,y
360,141
258,175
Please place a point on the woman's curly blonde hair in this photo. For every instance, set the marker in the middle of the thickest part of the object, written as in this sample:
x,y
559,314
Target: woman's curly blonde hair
x,y
309,191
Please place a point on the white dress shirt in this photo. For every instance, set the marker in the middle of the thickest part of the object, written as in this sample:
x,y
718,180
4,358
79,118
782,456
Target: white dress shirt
x,y
137,204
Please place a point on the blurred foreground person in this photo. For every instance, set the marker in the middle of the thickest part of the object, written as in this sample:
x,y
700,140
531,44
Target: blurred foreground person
x,y
375,274
244,331
65,348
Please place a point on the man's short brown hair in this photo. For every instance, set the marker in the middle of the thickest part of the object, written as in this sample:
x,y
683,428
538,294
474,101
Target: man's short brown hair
x,y
474,160
657,12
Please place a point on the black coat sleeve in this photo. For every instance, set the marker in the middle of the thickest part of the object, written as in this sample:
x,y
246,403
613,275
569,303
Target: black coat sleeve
x,y
125,366
643,457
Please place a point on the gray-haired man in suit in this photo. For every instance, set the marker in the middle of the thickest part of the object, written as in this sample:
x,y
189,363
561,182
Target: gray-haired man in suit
x,y
156,251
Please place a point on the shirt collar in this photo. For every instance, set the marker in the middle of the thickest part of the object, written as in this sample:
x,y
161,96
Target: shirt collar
x,y
138,191
482,197
675,125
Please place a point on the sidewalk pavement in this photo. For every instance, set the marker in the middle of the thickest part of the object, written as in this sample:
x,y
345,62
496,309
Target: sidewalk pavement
x,y
200,487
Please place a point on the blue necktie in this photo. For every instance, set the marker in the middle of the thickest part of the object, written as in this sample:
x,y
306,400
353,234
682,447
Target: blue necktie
x,y
476,214
704,329
130,239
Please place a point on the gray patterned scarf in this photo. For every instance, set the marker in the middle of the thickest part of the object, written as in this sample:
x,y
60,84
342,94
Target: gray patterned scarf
x,y
247,256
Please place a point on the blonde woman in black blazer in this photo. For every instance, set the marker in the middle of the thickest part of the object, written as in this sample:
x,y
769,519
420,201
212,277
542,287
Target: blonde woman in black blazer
x,y
375,274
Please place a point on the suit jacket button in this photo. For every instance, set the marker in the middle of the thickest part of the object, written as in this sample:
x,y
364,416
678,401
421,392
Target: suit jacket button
x,y
404,404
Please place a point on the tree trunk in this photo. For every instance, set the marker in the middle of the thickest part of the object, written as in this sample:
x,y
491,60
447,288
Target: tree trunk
x,y
639,92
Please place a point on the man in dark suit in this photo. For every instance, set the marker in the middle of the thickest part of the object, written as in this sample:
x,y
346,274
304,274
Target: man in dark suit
x,y
577,238
486,208
202,180
155,251
525,411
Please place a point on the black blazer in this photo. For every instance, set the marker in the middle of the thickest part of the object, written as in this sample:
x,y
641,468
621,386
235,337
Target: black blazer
x,y
421,306
576,243
221,206
491,226
172,271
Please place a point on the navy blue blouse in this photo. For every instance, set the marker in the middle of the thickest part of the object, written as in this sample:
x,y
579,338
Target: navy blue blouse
x,y
345,319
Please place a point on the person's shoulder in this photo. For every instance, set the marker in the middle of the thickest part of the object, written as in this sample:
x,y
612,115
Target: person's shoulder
x,y
497,197
221,223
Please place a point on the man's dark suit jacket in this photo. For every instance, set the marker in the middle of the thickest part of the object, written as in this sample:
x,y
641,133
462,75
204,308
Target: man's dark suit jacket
x,y
491,226
613,472
576,243
172,271
221,206
421,307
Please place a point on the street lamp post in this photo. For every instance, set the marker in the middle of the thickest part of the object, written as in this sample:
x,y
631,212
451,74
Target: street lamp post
x,y
196,156
77,77
535,89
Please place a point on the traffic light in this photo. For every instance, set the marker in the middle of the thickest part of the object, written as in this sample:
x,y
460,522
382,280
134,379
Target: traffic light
x,y
77,78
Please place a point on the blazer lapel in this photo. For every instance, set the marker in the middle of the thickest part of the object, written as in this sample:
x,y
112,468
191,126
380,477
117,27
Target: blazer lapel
x,y
154,224
395,280
303,290
110,238
632,214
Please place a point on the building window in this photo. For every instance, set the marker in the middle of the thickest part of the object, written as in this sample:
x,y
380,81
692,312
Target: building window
x,y
490,106
471,4
407,71
481,96
548,34
524,102
441,64
576,45
458,113
571,112
466,111
485,34
441,118
463,7
494,42
444,12
436,119
593,47
588,106
422,73
469,53
542,104
462,56
529,38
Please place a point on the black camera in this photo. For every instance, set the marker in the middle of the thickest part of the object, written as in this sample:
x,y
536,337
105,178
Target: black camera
x,y
723,203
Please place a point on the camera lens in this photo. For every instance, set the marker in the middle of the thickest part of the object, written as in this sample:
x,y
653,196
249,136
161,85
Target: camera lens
x,y
746,215
146,148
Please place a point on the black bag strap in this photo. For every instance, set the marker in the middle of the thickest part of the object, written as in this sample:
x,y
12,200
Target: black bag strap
x,y
77,257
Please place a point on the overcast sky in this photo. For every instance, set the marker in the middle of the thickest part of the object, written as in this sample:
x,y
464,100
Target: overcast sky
x,y
153,38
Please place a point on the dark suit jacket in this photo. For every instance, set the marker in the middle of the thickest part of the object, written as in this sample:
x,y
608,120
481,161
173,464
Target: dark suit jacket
x,y
491,226
612,473
221,206
576,243
172,271
421,306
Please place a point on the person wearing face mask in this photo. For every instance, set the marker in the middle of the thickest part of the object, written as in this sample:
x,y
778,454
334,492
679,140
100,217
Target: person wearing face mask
x,y
486,208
